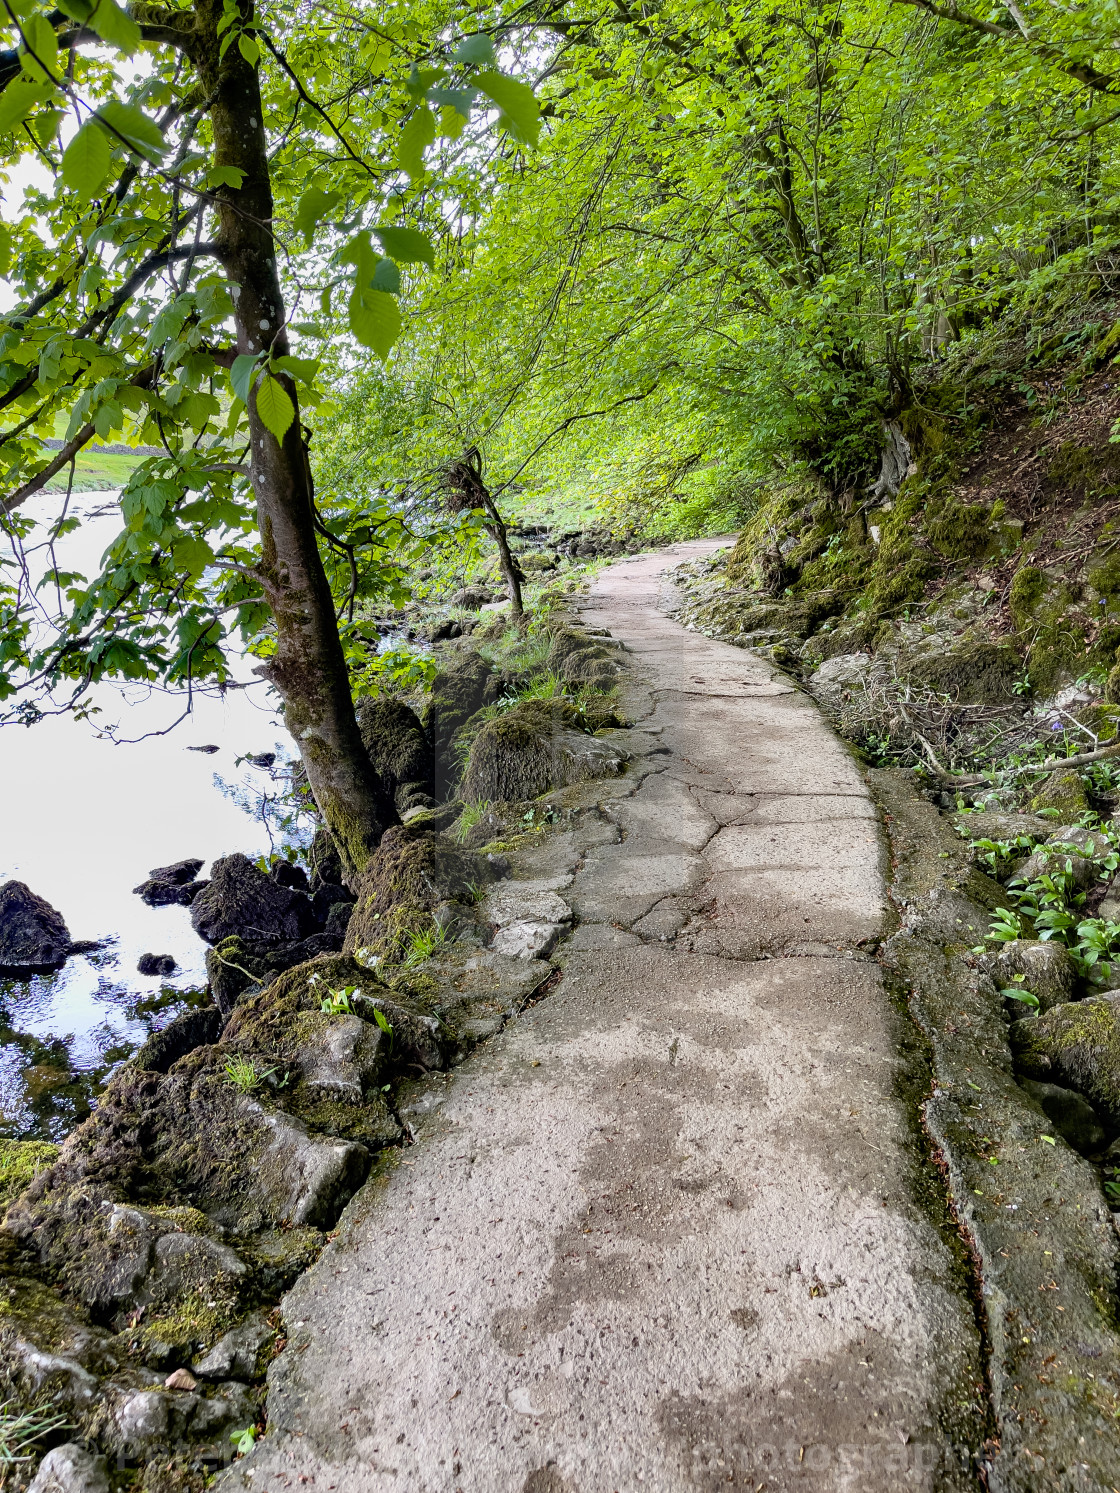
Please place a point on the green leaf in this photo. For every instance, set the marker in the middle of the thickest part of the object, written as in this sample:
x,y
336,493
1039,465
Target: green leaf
x,y
17,101
115,26
451,123
407,245
274,409
520,114
375,319
86,161
40,48
303,370
387,276
474,51
314,206
225,176
419,132
248,49
140,133
241,374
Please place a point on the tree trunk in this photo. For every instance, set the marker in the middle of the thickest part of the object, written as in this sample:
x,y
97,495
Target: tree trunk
x,y
510,569
465,489
308,668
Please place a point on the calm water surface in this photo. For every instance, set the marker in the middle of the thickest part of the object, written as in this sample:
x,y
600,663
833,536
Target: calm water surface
x,y
82,821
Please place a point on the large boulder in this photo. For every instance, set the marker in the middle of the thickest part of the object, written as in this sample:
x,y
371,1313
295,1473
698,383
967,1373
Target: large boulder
x,y
413,875
1077,1046
580,659
458,693
531,748
400,750
33,935
242,900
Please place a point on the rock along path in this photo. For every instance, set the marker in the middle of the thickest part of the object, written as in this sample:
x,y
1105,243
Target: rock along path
x,y
664,1232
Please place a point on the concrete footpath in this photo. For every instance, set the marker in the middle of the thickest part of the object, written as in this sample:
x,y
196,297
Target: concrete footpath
x,y
667,1230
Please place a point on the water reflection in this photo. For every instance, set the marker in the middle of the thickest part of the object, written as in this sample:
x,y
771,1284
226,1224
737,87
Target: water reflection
x,y
82,822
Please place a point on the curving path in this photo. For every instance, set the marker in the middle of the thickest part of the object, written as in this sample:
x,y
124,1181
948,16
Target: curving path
x,y
665,1231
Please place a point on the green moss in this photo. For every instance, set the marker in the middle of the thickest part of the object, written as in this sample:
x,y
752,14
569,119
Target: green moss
x,y
411,874
1112,687
181,1332
1104,577
1083,470
1062,790
894,589
1057,655
957,530
21,1161
1028,587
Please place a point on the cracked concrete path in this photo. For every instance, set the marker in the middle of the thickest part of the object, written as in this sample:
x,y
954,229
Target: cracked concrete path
x,y
670,1230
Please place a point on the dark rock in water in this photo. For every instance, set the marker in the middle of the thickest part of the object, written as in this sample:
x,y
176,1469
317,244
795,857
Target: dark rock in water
x,y
179,873
284,873
399,749
190,1029
529,749
413,872
457,693
263,759
208,749
158,893
1073,1117
240,899
33,936
156,964
171,886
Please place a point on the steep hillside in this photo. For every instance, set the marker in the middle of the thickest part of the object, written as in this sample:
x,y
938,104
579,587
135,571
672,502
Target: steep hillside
x,y
964,611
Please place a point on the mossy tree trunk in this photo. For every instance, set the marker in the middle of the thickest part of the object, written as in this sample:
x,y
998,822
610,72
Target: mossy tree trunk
x,y
308,668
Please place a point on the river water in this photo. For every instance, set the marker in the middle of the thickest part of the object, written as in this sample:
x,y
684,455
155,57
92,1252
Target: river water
x,y
82,822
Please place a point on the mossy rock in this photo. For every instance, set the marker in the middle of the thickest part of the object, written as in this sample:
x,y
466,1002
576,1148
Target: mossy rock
x,y
1028,587
1062,790
166,1339
410,875
578,659
891,590
21,1161
957,530
1084,470
531,748
1076,1045
458,692
974,673
400,750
